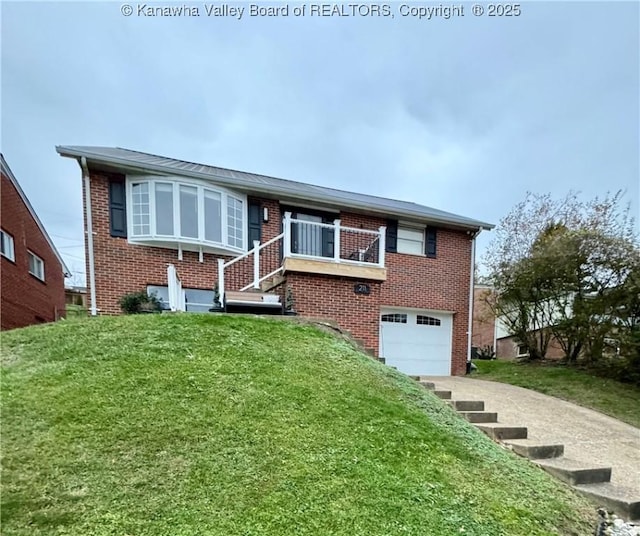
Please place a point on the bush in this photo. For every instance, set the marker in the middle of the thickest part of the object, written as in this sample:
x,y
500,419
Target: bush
x,y
486,352
140,302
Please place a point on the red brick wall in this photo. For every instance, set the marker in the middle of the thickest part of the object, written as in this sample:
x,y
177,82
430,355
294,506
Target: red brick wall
x,y
440,283
25,299
334,298
484,321
413,281
121,268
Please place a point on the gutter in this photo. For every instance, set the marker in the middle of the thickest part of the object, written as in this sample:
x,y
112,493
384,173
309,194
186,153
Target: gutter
x,y
89,226
471,295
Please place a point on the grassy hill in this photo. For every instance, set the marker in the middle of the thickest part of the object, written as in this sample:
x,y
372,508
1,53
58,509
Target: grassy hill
x,y
580,386
215,425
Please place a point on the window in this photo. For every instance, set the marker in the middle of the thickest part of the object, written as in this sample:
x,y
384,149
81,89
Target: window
x,y
427,321
396,318
188,213
410,240
523,350
234,220
164,208
212,216
36,266
141,208
196,300
6,242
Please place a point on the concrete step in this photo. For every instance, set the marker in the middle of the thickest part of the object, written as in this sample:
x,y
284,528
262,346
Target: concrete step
x,y
428,385
574,472
467,405
499,432
272,283
252,297
535,451
479,416
445,395
624,502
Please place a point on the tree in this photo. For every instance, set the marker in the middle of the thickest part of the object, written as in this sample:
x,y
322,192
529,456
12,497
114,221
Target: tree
x,y
562,269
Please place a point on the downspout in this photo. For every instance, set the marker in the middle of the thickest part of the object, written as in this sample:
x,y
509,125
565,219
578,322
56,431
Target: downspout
x,y
471,288
92,267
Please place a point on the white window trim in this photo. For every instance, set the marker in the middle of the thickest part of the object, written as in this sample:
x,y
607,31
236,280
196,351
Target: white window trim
x,y
11,253
176,239
41,277
411,227
519,353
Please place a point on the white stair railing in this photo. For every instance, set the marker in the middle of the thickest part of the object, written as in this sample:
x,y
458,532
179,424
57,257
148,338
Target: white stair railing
x,y
350,246
177,300
255,251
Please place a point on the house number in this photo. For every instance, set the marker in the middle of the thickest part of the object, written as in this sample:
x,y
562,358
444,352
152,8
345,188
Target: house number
x,y
361,288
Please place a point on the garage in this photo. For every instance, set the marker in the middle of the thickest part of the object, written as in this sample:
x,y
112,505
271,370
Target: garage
x,y
416,341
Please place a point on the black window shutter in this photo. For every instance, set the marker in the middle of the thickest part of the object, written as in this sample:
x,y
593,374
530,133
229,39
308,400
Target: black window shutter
x,y
255,222
392,236
117,208
430,242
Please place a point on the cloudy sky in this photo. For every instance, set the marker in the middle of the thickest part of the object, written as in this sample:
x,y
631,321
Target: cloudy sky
x,y
464,114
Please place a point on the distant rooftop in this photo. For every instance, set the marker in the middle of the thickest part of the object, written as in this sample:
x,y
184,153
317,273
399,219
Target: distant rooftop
x,y
136,161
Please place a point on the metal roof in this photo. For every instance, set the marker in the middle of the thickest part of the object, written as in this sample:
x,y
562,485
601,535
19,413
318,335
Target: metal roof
x,y
254,183
6,170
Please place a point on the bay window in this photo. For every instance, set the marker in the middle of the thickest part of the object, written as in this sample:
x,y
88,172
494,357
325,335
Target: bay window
x,y
184,212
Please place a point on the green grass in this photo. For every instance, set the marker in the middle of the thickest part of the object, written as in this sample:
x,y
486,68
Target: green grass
x,y
605,395
76,312
215,425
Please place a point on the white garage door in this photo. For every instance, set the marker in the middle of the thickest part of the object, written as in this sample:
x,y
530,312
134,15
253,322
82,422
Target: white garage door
x,y
416,342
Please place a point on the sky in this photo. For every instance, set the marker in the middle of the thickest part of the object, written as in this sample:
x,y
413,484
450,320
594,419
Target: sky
x,y
464,114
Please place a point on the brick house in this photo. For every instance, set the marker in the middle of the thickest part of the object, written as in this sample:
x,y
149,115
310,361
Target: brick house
x,y
32,280
397,275
489,331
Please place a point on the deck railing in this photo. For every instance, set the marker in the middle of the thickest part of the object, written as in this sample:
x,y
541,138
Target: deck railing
x,y
331,242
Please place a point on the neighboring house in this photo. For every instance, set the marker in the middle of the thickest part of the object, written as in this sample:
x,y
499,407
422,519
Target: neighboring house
x,y
76,296
32,280
489,331
397,275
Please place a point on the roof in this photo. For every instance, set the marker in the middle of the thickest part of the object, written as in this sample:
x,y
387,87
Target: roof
x,y
6,170
292,190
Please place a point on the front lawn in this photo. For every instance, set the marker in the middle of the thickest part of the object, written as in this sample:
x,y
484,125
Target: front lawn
x,y
219,425
579,386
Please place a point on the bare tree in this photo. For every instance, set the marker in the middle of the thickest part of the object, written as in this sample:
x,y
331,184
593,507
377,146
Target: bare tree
x,y
555,266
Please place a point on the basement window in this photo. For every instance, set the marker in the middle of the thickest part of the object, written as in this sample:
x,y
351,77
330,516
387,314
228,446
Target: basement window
x,y
196,300
6,242
523,351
